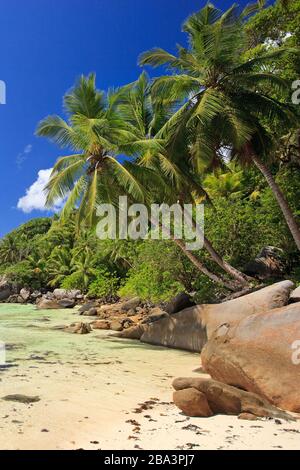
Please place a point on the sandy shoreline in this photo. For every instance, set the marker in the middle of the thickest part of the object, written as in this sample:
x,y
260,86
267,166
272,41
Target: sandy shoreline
x,y
91,396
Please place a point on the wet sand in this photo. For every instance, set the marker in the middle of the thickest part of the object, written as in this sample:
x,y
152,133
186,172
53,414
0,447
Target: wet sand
x,y
97,392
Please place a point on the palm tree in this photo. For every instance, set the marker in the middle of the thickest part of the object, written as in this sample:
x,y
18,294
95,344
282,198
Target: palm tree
x,y
10,250
223,98
224,183
93,174
59,265
83,267
98,127
177,182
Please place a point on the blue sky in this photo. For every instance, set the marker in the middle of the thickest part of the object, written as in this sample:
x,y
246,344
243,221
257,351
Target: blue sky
x,y
45,45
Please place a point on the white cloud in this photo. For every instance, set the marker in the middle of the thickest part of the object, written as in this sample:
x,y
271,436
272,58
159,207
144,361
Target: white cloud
x,y
35,197
22,156
28,148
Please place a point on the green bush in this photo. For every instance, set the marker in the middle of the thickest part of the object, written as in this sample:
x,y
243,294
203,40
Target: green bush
x,y
105,285
73,281
148,283
22,274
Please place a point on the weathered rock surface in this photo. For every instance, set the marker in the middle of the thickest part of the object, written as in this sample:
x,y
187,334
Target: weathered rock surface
x,y
268,264
25,294
221,399
66,303
78,328
130,304
180,302
116,325
5,288
134,332
100,325
183,330
87,306
52,304
295,295
47,304
190,328
192,402
261,355
154,315
61,294
92,312
232,312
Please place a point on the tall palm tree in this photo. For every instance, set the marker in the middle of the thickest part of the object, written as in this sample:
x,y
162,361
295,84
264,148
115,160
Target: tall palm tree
x,y
224,183
59,265
223,97
98,127
10,249
93,173
178,182
83,266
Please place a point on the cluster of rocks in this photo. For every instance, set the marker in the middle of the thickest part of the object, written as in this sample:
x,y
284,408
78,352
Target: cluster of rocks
x,y
250,347
120,316
127,318
24,296
59,298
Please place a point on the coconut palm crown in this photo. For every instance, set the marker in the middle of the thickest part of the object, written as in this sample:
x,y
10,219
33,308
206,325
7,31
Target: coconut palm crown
x,y
224,99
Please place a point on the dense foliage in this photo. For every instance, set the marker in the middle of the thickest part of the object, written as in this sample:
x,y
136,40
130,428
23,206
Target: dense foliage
x,y
180,149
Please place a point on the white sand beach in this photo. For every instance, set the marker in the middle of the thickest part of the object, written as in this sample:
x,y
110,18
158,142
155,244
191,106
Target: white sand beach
x,y
97,392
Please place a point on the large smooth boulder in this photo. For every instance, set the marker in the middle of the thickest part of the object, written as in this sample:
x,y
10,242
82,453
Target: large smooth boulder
x,y
190,328
206,397
52,304
5,288
25,293
129,304
261,355
295,295
178,303
47,304
232,312
182,330
192,403
61,294
116,325
100,325
87,306
134,332
66,303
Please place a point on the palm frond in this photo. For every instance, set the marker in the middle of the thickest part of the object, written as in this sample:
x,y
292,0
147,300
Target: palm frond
x,y
62,182
57,130
157,57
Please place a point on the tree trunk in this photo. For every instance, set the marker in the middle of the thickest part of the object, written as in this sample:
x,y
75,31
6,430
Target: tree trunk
x,y
241,278
283,204
196,262
235,273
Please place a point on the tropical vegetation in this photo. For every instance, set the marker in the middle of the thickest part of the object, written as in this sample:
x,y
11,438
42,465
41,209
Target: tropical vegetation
x,y
218,127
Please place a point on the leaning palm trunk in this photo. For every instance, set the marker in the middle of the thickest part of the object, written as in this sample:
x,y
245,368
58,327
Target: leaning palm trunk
x,y
283,204
200,266
241,278
196,262
235,273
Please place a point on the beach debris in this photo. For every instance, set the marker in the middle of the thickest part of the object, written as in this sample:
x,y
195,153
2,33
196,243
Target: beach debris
x,y
26,399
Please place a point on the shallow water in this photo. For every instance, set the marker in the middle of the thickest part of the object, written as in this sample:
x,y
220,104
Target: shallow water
x,y
89,389
34,335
